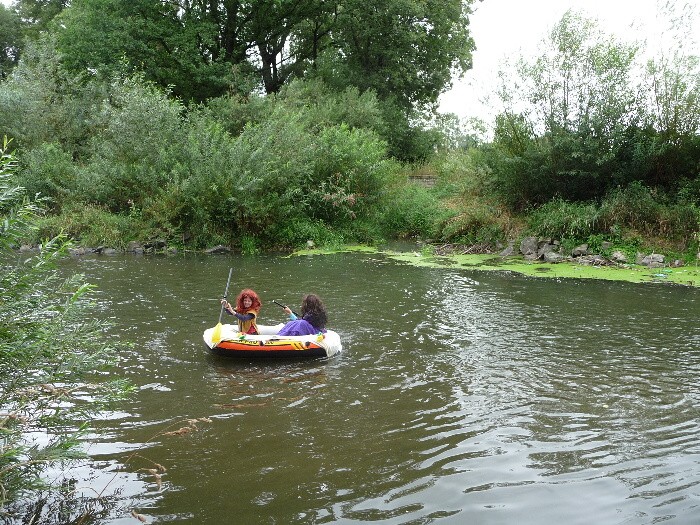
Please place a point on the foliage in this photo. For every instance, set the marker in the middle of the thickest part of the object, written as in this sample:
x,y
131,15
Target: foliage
x,y
297,232
649,212
398,49
50,349
169,43
93,226
595,120
129,159
306,137
405,51
39,14
43,103
624,214
49,172
411,210
10,40
559,219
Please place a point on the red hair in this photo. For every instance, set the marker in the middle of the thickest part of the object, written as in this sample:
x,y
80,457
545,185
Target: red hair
x,y
253,297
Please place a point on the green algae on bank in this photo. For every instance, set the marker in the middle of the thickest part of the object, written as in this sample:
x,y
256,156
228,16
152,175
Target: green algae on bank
x,y
341,249
684,275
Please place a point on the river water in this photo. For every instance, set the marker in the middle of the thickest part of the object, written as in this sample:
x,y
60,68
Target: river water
x,y
460,397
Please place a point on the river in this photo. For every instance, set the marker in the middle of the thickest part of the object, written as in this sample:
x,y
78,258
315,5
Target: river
x,y
459,397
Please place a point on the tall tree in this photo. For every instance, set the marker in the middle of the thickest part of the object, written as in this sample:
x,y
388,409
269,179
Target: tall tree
x,y
403,49
38,14
578,99
407,50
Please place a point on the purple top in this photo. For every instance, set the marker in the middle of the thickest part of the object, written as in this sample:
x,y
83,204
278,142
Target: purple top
x,y
299,327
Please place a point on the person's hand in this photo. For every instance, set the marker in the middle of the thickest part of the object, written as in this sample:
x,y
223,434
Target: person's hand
x,y
227,305
287,310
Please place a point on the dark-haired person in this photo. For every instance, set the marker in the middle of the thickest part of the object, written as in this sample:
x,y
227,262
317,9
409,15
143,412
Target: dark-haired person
x,y
246,311
313,317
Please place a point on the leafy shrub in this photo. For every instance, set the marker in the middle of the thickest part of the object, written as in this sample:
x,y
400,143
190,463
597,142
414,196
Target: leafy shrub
x,y
90,226
295,234
139,147
51,348
48,170
635,206
411,210
561,219
350,167
477,221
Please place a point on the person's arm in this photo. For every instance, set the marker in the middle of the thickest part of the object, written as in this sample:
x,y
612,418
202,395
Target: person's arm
x,y
227,307
241,317
292,315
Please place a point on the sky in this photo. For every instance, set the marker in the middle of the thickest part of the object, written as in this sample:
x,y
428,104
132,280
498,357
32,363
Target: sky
x,y
511,28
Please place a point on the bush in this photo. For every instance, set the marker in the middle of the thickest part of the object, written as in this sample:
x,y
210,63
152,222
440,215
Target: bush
x,y
412,211
295,234
560,219
478,221
135,154
51,345
91,225
49,171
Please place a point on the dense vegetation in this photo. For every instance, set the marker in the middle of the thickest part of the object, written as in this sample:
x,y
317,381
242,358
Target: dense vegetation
x,y
263,128
51,353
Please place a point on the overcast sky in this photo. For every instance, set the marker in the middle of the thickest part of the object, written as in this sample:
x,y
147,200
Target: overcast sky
x,y
503,28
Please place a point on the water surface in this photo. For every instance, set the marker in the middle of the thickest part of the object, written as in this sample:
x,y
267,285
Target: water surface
x,y
460,397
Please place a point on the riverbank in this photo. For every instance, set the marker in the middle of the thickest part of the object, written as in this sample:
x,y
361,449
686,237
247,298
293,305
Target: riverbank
x,y
651,268
579,268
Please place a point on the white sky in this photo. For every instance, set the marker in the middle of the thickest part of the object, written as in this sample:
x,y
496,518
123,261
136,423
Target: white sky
x,y
503,28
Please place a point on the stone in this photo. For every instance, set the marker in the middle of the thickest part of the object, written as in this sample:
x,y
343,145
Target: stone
x,y
217,250
553,257
654,260
528,246
580,250
618,257
134,247
508,251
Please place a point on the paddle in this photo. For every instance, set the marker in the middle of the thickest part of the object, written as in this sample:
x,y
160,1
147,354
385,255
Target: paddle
x,y
285,306
216,334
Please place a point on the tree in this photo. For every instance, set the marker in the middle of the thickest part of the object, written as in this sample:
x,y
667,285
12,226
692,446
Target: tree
x,y
576,101
39,14
670,113
51,347
10,39
404,50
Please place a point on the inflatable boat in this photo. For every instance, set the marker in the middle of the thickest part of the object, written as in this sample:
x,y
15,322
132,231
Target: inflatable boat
x,y
268,344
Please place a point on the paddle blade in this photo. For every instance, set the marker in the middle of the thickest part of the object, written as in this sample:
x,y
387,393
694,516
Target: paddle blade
x,y
216,335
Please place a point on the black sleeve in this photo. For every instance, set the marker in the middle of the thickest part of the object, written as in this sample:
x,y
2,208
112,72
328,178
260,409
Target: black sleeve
x,y
244,317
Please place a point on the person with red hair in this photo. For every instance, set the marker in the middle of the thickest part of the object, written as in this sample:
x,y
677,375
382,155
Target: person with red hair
x,y
246,311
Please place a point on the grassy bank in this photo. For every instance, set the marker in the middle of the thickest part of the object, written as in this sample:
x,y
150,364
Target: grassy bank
x,y
452,203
